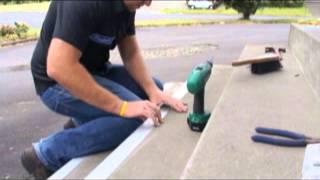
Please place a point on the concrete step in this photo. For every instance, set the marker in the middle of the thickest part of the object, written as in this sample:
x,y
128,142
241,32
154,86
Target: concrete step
x,y
278,100
164,153
87,165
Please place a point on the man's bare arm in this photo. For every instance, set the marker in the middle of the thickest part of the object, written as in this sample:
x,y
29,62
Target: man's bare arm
x,y
133,61
64,66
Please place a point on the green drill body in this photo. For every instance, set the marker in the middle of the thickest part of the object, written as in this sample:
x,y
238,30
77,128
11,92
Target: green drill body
x,y
196,85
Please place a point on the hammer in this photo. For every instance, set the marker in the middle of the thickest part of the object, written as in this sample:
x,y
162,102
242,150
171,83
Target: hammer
x,y
265,63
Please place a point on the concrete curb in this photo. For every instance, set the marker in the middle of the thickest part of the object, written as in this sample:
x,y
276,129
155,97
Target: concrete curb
x,y
11,43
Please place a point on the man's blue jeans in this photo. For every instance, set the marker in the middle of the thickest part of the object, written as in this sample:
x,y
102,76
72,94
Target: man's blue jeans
x,y
98,130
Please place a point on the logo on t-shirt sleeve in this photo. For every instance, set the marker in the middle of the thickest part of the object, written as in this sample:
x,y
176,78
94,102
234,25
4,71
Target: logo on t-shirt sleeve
x,y
102,39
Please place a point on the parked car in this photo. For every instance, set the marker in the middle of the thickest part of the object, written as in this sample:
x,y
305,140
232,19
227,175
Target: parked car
x,y
202,4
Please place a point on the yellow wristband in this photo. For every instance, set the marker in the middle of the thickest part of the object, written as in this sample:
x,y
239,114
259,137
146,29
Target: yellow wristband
x,y
123,108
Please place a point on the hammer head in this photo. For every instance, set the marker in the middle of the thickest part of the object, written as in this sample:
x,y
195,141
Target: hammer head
x,y
269,66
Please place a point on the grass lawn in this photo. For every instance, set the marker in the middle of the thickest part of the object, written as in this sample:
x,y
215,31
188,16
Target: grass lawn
x,y
33,32
300,11
184,22
26,7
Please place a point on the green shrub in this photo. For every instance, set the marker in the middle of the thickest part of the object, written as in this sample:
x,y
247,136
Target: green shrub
x,y
21,29
18,31
6,30
11,37
250,7
246,7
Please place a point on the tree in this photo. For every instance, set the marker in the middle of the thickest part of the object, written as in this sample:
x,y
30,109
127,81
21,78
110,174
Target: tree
x,y
246,7
249,7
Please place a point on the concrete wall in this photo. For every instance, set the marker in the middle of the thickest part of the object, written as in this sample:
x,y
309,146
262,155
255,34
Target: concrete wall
x,y
304,42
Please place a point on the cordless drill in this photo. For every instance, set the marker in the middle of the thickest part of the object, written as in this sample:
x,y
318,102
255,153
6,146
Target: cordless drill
x,y
196,83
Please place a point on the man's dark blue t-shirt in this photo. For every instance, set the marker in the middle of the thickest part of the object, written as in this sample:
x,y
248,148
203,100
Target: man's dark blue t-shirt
x,y
94,27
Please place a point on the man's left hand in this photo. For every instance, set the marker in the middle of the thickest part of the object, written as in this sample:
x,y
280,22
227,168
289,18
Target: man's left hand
x,y
160,98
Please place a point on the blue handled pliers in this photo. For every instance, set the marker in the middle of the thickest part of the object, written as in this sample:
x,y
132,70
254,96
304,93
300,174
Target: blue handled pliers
x,y
291,139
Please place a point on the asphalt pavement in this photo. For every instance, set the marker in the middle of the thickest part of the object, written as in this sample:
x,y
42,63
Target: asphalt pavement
x,y
35,19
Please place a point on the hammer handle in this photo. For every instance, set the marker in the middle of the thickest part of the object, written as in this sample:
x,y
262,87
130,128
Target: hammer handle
x,y
258,59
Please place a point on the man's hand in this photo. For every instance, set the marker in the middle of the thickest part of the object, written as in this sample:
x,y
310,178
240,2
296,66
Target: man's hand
x,y
133,62
144,110
159,97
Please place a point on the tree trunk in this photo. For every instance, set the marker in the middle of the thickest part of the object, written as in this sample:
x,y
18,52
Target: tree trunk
x,y
246,15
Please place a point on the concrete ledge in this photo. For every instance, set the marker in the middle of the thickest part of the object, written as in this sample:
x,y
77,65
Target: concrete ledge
x,y
304,43
277,100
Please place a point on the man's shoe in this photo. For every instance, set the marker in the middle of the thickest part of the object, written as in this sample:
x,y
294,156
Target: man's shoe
x,y
69,124
33,165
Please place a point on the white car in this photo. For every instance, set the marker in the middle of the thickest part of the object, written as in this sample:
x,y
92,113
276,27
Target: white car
x,y
200,4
